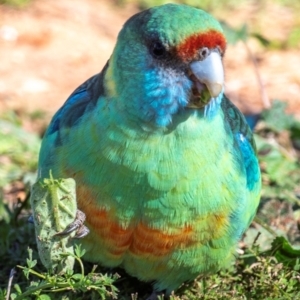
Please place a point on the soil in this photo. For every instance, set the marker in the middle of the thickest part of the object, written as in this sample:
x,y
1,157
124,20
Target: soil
x,y
50,47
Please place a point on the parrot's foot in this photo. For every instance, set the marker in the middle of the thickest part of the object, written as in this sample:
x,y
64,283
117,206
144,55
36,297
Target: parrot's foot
x,y
77,226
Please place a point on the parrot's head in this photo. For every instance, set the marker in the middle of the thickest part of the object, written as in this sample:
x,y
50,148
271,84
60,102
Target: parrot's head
x,y
167,59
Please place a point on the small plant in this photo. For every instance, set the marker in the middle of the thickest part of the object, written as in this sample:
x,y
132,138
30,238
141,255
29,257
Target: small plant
x,y
65,286
54,207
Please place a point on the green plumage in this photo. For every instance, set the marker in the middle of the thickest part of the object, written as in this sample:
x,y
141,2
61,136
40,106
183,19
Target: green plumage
x,y
168,189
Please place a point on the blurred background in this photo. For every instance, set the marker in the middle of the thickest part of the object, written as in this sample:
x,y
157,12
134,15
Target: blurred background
x,y
48,48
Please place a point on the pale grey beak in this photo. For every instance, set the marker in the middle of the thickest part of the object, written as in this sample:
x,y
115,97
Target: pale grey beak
x,y
210,72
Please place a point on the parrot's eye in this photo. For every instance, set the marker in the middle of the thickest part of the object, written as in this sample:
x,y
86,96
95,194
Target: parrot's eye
x,y
158,50
204,52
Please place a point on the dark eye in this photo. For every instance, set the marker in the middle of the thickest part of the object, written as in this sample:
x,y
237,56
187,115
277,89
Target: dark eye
x,y
204,52
158,50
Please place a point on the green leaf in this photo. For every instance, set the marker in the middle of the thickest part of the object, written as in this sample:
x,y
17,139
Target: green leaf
x,y
79,251
284,252
4,211
77,277
17,289
54,207
265,42
13,296
31,263
44,297
295,134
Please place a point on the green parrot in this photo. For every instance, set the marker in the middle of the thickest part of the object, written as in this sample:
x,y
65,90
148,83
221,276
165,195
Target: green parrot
x,y
165,165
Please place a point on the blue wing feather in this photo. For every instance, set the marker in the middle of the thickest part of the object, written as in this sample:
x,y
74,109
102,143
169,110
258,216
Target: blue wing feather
x,y
82,100
236,125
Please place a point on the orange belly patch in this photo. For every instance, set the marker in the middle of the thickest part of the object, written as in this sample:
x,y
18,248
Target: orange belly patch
x,y
149,241
138,239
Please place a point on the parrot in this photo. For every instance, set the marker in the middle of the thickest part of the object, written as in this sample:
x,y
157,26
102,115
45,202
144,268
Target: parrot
x,y
166,168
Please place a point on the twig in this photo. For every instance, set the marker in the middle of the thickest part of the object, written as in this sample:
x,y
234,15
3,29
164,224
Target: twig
x,y
11,277
264,96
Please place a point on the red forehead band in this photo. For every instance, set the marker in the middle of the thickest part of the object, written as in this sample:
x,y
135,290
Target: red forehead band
x,y
210,39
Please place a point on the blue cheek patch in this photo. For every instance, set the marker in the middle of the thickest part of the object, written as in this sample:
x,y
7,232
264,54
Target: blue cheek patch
x,y
165,93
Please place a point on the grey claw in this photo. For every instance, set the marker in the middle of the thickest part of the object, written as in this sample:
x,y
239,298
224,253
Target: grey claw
x,y
78,222
76,225
81,232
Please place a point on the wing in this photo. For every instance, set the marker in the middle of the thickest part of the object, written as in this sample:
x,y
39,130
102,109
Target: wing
x,y
246,158
236,124
82,100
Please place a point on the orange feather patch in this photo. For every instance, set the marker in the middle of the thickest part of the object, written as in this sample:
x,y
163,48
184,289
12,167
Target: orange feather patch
x,y
210,39
139,239
148,241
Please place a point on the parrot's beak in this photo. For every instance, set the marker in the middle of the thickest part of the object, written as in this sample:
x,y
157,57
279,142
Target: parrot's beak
x,y
208,78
